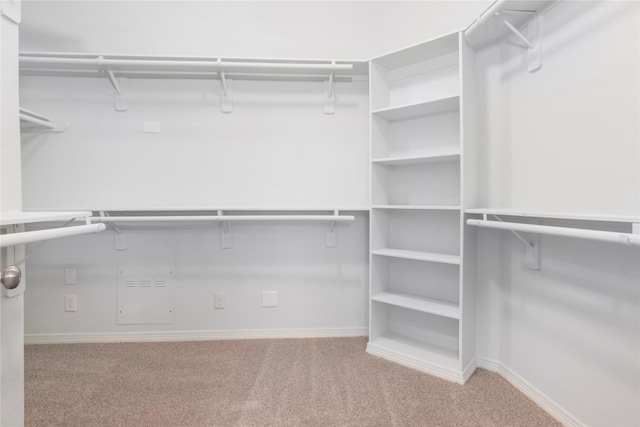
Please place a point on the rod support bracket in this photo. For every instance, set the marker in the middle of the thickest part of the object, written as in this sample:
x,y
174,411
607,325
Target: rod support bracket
x,y
226,238
331,232
226,88
120,101
533,40
329,101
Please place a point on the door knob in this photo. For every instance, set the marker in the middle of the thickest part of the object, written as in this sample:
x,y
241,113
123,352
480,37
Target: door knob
x,y
10,276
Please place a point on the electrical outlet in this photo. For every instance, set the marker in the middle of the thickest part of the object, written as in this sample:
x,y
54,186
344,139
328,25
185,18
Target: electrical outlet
x,y
218,300
70,303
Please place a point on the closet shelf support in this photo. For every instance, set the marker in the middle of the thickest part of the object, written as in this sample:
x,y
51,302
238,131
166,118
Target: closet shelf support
x,y
533,42
40,121
120,101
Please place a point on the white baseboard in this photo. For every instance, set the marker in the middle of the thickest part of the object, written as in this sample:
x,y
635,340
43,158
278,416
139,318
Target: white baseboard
x,y
541,399
151,336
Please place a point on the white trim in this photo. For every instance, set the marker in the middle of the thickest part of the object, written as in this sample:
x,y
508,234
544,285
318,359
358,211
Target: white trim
x,y
436,370
159,336
541,399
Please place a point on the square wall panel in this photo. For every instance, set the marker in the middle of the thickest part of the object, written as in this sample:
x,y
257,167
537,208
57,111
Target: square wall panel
x,y
145,291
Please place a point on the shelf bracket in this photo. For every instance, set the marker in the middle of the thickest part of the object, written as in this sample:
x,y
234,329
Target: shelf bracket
x,y
43,124
533,247
533,41
120,99
329,101
226,86
226,238
119,237
331,232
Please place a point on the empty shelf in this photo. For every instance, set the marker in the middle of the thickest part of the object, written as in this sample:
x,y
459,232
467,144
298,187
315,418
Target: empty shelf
x,y
407,347
417,207
443,156
426,305
405,112
416,255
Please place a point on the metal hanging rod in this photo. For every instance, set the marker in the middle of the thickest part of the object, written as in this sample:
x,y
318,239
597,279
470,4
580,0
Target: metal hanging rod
x,y
42,235
223,218
627,239
216,64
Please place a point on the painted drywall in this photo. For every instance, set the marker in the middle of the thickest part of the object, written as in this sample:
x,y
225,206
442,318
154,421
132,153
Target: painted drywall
x,y
276,150
565,138
255,29
319,288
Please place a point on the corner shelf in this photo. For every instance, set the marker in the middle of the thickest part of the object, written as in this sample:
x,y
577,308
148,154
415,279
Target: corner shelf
x,y
417,232
426,305
417,255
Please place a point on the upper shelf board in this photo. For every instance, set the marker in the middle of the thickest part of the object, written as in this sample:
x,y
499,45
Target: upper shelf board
x,y
13,217
489,29
420,52
405,112
556,215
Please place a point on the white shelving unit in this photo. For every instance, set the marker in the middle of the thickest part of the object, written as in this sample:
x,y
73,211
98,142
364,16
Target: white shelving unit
x,y
419,314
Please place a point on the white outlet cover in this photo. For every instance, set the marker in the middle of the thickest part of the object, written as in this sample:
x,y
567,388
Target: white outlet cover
x,y
269,298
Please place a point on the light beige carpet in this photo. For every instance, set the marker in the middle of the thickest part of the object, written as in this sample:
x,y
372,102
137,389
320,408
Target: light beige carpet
x,y
289,382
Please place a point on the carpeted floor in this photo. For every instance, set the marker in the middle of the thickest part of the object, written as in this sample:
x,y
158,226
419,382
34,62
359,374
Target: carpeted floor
x,y
310,382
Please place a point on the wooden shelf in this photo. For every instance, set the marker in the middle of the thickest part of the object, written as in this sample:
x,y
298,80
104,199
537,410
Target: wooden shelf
x,y
16,217
555,215
404,112
418,256
426,305
442,156
407,347
417,207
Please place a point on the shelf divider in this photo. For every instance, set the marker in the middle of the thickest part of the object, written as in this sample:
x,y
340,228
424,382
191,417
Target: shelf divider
x,y
412,302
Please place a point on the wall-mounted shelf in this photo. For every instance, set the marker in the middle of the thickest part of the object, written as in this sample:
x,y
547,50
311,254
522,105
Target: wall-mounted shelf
x,y
117,68
555,215
28,217
507,17
417,207
489,29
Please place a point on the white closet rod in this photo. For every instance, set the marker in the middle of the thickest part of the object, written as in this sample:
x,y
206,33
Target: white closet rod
x,y
602,236
213,65
224,218
42,235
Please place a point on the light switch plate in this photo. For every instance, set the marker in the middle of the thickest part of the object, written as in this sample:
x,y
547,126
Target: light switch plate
x,y
70,276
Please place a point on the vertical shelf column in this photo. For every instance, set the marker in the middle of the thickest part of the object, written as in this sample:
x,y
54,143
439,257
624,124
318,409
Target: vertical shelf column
x,y
417,229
